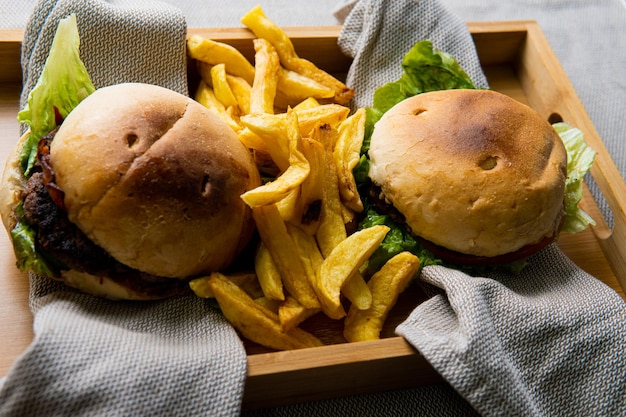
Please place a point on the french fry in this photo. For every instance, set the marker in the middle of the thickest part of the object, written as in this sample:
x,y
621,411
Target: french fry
x,y
331,229
213,53
326,114
275,134
385,285
294,88
342,263
221,88
262,27
200,287
289,206
346,153
241,90
291,313
247,282
205,73
292,116
305,248
252,140
307,103
267,68
356,290
271,305
295,173
254,321
205,96
312,189
284,252
264,162
268,275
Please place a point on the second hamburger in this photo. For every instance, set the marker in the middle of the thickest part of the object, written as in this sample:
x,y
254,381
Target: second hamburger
x,y
137,191
477,177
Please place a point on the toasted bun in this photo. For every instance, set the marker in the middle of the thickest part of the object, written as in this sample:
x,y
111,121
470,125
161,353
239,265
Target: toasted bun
x,y
155,179
472,171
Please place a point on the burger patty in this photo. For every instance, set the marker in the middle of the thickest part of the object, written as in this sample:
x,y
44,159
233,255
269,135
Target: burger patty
x,y
378,200
62,239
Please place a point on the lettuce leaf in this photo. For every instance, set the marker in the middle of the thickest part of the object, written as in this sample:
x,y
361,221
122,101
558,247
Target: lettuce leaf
x,y
580,157
64,82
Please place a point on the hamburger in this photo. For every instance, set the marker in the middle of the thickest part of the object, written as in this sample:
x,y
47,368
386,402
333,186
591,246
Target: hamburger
x,y
136,191
463,176
476,176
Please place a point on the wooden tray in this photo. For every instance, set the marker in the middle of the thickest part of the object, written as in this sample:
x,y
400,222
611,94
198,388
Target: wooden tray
x,y
518,62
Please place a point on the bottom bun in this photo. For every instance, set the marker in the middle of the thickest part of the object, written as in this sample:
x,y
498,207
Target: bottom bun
x,y
106,287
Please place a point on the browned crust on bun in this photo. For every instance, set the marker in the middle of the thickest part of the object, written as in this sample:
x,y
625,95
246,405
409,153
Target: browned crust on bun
x,y
472,171
153,178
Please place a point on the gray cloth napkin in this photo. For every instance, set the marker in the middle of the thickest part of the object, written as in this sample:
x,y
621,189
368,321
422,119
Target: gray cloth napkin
x,y
92,356
377,35
547,342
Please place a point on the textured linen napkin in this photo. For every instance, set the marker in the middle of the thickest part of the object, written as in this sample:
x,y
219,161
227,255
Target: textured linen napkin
x,y
92,356
547,342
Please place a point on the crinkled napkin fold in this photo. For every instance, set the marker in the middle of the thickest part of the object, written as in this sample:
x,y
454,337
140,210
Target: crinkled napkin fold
x,y
549,341
91,356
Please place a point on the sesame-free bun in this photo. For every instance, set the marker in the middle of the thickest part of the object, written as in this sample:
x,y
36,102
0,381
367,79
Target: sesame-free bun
x,y
472,171
155,179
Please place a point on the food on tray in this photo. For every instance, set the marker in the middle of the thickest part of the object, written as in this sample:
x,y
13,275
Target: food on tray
x,y
123,199
272,145
476,175
464,176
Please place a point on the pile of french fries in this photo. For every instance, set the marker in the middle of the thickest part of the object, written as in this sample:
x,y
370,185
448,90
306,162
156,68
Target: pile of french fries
x,y
293,118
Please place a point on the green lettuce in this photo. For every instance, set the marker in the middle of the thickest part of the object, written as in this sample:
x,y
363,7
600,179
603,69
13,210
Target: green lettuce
x,y
580,157
64,82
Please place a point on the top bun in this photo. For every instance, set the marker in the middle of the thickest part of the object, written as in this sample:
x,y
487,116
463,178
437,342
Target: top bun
x,y
472,171
155,179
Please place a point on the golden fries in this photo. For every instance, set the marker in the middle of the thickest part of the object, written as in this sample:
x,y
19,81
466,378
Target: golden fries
x,y
263,27
247,282
347,153
213,53
274,234
343,262
385,285
291,313
297,169
254,321
293,118
267,69
206,97
268,274
221,88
